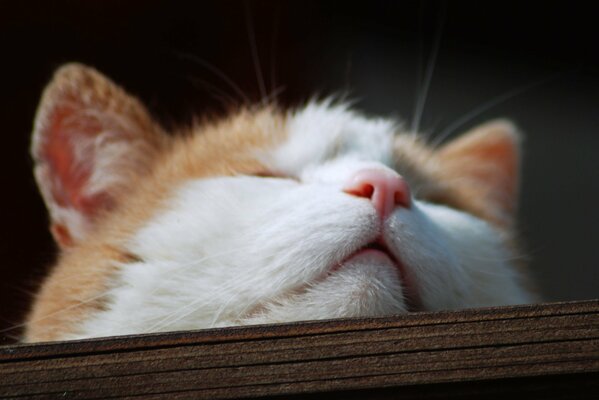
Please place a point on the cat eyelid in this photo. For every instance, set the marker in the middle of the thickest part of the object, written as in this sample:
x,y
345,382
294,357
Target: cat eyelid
x,y
273,174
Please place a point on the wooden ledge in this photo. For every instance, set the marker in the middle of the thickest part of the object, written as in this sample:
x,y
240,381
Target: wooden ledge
x,y
546,350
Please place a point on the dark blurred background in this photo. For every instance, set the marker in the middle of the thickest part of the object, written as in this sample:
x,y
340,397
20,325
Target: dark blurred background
x,y
533,63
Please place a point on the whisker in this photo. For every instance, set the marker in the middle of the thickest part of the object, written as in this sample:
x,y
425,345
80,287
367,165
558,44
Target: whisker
x,y
182,313
12,337
22,325
230,286
510,94
421,10
273,49
254,50
273,95
225,99
29,293
175,316
428,77
216,316
109,291
216,71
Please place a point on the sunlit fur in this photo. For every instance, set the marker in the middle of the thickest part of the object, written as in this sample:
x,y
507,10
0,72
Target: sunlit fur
x,y
244,221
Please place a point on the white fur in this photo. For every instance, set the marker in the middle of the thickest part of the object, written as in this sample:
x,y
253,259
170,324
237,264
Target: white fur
x,y
320,132
245,250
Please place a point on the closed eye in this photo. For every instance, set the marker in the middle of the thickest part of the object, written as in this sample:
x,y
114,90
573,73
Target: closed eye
x,y
268,174
272,174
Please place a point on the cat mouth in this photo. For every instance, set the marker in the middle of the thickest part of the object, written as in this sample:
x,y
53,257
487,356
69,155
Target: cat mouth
x,y
378,249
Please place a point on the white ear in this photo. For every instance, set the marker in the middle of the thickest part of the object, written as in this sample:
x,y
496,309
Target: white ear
x,y
90,140
485,164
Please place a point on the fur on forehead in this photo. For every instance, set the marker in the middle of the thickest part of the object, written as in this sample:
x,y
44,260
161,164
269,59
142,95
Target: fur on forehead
x,y
323,130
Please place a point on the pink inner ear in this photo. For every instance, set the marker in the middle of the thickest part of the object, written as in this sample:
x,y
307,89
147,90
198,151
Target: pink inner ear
x,y
488,158
504,153
70,174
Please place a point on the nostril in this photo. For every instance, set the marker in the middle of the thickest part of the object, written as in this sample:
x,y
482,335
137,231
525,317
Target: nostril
x,y
361,190
385,188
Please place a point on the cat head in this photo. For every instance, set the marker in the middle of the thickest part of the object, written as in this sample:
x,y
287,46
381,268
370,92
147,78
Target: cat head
x,y
264,216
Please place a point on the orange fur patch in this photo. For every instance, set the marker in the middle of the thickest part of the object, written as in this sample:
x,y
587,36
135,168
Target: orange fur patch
x,y
85,271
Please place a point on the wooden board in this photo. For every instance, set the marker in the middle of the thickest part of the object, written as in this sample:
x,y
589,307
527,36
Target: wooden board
x,y
547,351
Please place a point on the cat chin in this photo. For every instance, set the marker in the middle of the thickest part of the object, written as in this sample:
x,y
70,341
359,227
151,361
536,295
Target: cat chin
x,y
366,285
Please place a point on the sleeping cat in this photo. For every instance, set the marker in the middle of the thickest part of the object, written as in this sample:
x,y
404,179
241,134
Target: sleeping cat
x,y
265,216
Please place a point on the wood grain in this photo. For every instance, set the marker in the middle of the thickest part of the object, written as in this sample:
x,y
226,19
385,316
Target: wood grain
x,y
549,351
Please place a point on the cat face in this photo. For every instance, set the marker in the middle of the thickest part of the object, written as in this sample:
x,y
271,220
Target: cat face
x,y
265,216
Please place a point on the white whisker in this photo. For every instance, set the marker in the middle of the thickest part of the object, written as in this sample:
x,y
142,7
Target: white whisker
x,y
79,304
254,50
178,268
273,51
495,101
428,77
223,97
205,64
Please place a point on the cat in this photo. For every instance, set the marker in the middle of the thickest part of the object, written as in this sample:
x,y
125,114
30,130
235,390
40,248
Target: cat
x,y
265,216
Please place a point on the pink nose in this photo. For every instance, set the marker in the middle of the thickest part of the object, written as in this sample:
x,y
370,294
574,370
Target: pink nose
x,y
385,188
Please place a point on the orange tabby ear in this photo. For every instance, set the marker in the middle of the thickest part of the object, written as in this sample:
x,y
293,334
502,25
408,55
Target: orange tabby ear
x,y
483,165
90,140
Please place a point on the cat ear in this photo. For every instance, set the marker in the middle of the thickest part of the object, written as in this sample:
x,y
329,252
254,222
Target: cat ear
x,y
483,164
90,141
